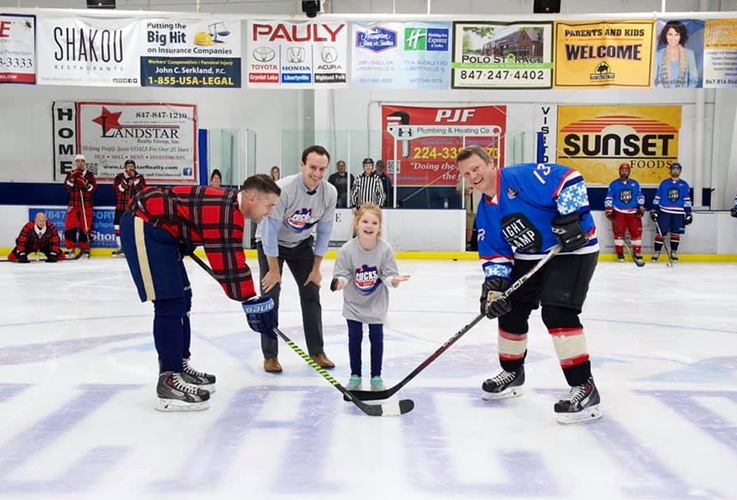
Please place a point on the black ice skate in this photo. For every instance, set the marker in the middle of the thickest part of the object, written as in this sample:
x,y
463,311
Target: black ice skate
x,y
177,395
201,379
505,385
639,261
673,256
580,405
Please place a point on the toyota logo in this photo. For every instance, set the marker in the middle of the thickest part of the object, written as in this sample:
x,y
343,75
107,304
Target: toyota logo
x,y
264,54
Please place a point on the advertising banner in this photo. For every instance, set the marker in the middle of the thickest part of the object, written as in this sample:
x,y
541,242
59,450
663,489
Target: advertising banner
x,y
720,53
160,137
502,55
603,54
191,53
679,54
422,143
88,51
102,224
17,48
401,55
284,54
596,139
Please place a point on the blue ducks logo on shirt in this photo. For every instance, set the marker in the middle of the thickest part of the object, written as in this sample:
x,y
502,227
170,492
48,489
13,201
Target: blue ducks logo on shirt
x,y
300,220
367,279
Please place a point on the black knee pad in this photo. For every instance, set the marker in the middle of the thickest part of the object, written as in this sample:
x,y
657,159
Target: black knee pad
x,y
560,317
515,321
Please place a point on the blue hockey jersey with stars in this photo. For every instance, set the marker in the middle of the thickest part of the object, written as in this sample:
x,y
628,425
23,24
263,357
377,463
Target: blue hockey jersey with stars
x,y
517,223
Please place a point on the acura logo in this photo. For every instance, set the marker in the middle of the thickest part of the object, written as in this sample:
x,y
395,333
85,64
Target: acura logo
x,y
329,54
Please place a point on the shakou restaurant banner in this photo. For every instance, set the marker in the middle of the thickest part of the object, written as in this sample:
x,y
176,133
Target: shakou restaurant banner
x,y
597,139
603,54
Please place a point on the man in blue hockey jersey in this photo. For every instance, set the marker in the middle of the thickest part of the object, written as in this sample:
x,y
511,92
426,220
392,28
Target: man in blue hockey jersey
x,y
526,210
671,212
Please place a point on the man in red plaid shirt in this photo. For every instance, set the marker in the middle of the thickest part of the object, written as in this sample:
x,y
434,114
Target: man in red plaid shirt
x,y
126,185
81,185
160,227
39,235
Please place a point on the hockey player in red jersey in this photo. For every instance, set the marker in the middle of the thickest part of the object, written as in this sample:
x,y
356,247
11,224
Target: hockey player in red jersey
x,y
81,185
624,205
39,235
159,228
126,185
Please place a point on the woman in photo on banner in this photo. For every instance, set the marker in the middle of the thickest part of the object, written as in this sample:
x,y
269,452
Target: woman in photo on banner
x,y
675,64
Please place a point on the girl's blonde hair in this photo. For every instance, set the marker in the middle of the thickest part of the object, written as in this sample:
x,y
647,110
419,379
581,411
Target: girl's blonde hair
x,y
368,207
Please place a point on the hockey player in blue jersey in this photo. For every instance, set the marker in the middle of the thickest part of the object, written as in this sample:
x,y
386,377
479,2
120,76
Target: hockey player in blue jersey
x,y
671,212
526,210
733,212
624,205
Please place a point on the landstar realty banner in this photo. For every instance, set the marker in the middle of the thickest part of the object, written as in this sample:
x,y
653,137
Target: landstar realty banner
x,y
603,54
597,139
88,51
285,54
502,55
401,55
422,143
17,48
191,53
159,137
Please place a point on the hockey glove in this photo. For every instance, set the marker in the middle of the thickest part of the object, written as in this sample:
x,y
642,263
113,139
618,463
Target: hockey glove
x,y
609,214
23,258
733,212
569,232
493,304
688,219
654,213
261,315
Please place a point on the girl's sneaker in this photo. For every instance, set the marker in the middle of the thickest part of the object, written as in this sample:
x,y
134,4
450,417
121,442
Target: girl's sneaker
x,y
354,383
377,384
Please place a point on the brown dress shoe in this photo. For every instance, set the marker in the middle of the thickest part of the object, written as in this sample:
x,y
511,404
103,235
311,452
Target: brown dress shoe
x,y
272,365
323,360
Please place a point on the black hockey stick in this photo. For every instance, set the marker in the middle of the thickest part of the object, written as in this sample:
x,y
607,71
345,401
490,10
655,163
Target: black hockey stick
x,y
372,395
666,245
375,410
638,263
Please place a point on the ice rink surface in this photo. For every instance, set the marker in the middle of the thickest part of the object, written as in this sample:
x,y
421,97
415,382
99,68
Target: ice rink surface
x,y
78,373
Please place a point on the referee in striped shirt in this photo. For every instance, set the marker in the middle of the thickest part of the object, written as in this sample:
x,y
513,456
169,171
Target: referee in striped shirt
x,y
368,187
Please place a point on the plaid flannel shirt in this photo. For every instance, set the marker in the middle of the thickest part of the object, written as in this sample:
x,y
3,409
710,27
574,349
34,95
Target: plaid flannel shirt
x,y
28,240
126,188
80,184
211,217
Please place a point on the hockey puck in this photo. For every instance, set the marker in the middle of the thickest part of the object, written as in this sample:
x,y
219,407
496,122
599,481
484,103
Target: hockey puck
x,y
334,284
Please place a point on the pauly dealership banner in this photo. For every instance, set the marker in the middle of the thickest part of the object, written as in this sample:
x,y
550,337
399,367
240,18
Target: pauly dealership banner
x,y
88,51
284,54
422,143
17,48
597,139
401,55
191,53
159,137
603,54
500,55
